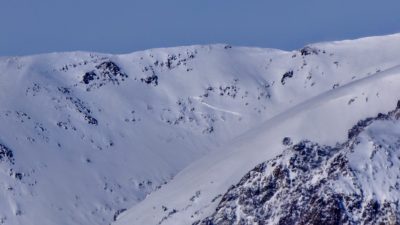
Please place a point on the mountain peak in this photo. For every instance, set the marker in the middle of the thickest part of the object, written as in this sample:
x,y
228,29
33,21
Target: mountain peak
x,y
134,131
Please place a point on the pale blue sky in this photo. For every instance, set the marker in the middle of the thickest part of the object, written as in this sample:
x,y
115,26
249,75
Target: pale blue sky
x,y
121,26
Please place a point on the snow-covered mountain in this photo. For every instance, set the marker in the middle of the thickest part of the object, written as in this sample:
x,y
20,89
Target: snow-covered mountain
x,y
355,182
85,136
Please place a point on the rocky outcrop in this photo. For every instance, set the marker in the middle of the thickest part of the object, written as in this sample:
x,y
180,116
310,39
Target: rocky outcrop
x,y
106,72
6,154
355,182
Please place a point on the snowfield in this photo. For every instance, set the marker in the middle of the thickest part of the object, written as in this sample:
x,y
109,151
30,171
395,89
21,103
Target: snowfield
x,y
159,136
325,119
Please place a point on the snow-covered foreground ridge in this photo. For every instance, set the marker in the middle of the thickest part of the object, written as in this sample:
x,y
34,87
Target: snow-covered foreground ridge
x,y
354,182
195,192
85,136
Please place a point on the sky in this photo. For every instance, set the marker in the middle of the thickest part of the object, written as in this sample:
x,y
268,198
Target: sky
x,y
123,26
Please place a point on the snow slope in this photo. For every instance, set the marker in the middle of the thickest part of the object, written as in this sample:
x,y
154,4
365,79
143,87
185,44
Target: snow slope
x,y
354,182
195,192
85,136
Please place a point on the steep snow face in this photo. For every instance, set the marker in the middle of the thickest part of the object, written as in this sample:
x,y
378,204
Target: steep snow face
x,y
85,135
195,192
355,182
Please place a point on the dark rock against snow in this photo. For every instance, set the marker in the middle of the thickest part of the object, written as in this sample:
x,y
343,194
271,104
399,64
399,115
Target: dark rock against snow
x,y
106,72
285,76
314,184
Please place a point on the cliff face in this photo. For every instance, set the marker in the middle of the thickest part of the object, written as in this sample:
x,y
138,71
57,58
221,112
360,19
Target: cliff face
x,y
355,182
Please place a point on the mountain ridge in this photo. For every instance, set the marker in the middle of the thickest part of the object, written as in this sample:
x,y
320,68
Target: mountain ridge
x,y
119,127
179,217
313,184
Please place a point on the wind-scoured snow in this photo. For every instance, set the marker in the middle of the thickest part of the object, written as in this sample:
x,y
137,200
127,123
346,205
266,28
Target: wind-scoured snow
x,y
86,136
195,192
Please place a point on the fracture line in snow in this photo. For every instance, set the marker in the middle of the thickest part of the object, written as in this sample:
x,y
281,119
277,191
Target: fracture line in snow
x,y
216,108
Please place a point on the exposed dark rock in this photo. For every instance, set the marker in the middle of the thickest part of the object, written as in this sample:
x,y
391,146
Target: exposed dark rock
x,y
117,213
110,69
227,47
285,76
89,76
82,108
153,79
309,51
300,186
106,72
6,154
287,141
79,105
18,176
